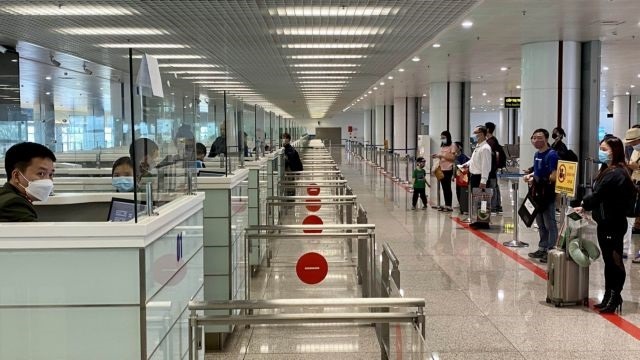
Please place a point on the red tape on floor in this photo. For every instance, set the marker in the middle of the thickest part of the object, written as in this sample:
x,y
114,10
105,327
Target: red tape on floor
x,y
614,319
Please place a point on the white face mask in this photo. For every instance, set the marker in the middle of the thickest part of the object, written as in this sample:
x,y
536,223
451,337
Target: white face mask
x,y
38,189
636,147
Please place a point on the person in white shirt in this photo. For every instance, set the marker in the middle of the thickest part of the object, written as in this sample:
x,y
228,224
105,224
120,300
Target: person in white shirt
x,y
480,164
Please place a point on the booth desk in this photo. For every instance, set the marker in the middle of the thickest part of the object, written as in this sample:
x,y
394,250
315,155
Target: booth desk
x,y
98,290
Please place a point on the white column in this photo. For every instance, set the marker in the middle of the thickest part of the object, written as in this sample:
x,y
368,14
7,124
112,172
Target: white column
x,y
379,114
625,113
399,125
540,84
366,128
388,125
502,127
439,102
413,121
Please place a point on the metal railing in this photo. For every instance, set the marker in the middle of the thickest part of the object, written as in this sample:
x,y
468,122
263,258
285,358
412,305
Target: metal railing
x,y
365,311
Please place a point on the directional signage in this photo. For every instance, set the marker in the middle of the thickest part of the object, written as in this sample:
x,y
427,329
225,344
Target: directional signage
x,y
312,220
512,102
566,178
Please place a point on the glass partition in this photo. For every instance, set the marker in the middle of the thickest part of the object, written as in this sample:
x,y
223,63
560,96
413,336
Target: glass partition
x,y
162,134
268,131
260,131
249,130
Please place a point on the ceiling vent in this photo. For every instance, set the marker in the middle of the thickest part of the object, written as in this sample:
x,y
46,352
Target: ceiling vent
x,y
611,22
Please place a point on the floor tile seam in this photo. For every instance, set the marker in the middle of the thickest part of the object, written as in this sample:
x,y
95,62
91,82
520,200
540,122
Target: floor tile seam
x,y
623,324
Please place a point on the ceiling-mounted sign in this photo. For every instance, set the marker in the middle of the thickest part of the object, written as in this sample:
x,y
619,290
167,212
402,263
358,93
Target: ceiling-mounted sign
x,y
512,102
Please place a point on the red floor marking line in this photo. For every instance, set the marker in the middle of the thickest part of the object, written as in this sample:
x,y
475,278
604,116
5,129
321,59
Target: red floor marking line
x,y
504,249
614,319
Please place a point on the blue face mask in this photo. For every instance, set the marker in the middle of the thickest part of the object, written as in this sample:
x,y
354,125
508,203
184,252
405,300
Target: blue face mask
x,y
123,183
604,156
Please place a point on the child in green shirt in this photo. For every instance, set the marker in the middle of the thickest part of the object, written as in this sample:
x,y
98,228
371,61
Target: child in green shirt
x,y
419,179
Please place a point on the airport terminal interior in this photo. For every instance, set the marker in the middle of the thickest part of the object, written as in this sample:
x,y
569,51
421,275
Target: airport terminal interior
x,y
297,179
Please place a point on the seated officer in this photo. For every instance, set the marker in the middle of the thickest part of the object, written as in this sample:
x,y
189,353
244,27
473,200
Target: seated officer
x,y
30,169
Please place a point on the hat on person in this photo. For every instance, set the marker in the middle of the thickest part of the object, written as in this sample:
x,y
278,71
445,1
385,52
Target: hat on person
x,y
632,134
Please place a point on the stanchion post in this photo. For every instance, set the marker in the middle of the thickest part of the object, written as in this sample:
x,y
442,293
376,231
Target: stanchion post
x,y
469,199
515,242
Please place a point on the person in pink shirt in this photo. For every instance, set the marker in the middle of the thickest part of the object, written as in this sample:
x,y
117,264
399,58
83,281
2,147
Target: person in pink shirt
x,y
446,156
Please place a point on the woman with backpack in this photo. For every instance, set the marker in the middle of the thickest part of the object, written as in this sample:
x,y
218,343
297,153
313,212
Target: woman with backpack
x,y
609,203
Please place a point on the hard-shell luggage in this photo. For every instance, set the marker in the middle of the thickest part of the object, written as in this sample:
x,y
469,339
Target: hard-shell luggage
x,y
481,205
568,283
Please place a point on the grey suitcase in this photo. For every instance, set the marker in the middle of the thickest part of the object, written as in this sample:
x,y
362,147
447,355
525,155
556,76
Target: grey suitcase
x,y
568,283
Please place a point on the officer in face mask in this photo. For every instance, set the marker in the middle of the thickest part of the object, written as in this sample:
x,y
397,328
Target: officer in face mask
x,y
122,174
30,168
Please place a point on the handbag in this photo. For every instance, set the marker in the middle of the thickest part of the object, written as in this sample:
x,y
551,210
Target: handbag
x,y
437,171
528,210
462,178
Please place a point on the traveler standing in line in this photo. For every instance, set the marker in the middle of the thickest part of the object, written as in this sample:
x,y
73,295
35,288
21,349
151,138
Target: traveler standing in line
x,y
461,159
292,162
447,156
542,184
608,202
29,167
632,156
498,161
479,165
419,179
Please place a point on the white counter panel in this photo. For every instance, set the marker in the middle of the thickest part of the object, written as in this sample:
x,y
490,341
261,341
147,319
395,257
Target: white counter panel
x,y
51,277
70,333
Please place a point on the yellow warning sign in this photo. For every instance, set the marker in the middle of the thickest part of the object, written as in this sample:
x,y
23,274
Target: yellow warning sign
x,y
566,178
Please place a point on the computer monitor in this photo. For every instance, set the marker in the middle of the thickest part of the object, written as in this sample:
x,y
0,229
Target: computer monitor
x,y
123,210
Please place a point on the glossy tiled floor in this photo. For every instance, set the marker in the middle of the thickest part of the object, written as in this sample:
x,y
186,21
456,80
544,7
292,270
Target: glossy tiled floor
x,y
483,301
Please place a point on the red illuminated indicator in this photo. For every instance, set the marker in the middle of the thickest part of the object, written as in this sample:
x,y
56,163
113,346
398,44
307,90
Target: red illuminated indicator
x,y
314,206
312,268
312,220
313,190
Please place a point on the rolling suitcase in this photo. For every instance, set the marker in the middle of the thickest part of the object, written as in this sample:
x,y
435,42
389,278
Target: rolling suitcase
x,y
481,207
568,283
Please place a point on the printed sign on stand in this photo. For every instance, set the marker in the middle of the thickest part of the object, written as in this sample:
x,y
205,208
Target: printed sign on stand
x,y
566,178
312,268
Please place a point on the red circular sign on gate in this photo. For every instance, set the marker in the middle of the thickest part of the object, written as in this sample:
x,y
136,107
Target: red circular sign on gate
x,y
312,220
313,190
312,268
314,206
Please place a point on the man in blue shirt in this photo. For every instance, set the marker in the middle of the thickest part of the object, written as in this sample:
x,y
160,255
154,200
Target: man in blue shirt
x,y
542,184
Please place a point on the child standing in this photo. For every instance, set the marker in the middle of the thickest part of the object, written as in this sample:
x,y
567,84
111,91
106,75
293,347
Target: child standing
x,y
419,184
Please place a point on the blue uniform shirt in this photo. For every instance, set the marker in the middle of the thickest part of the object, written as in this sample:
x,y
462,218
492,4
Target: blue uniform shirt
x,y
545,163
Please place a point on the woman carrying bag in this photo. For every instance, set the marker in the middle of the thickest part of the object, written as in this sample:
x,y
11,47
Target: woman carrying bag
x,y
609,203
446,157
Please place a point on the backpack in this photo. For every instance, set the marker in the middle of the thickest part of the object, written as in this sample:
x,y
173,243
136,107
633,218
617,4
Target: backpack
x,y
569,155
502,163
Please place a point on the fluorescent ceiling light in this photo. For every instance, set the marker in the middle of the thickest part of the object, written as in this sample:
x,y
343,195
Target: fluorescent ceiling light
x,y
467,24
333,11
605,68
110,31
323,82
415,59
390,77
351,56
518,86
436,45
67,10
217,82
324,77
331,30
327,46
401,70
197,72
207,77
326,72
169,56
325,65
375,88
142,45
187,65
504,68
